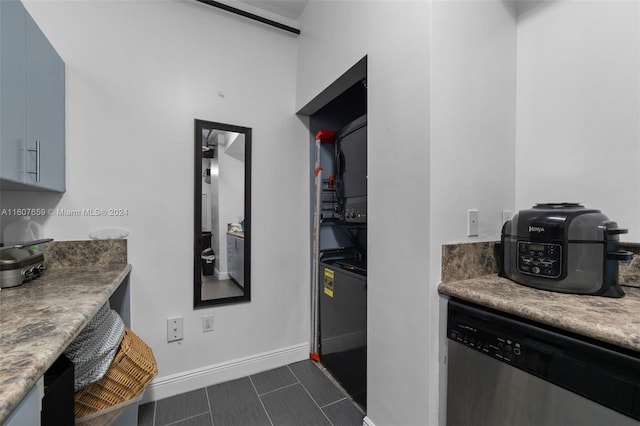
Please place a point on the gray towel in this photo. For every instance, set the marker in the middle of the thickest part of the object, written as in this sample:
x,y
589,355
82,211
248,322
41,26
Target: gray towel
x,y
93,350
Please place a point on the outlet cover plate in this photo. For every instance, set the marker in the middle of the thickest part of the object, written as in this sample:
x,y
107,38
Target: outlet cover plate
x,y
207,323
174,329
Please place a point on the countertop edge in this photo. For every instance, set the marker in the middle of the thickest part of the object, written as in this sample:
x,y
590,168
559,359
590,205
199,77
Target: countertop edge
x,y
117,281
32,374
604,331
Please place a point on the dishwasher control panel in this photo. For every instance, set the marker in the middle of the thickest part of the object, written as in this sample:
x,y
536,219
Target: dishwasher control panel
x,y
501,338
500,347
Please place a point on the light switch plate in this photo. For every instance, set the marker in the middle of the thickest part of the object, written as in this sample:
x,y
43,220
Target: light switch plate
x,y
473,226
174,329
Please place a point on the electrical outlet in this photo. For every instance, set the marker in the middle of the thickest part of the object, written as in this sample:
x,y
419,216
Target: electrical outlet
x,y
174,329
473,225
207,323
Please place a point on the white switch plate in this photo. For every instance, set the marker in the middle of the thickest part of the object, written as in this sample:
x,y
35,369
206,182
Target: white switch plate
x,y
473,227
207,323
174,329
506,215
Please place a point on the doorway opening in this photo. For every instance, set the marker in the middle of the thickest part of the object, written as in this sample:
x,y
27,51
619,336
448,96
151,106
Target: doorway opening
x,y
338,135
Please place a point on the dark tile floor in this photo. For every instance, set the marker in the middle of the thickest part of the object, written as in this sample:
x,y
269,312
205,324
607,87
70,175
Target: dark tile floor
x,y
297,394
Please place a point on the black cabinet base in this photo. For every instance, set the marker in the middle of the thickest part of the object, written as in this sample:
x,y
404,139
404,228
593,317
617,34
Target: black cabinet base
x,y
58,402
349,368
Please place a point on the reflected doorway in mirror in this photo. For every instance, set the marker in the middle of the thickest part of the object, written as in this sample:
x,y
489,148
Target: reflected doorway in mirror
x,y
222,214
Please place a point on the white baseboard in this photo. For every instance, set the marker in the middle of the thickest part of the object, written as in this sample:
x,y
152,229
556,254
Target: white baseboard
x,y
367,422
221,275
187,381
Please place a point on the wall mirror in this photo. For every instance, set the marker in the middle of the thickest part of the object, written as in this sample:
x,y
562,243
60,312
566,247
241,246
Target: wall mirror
x,y
222,214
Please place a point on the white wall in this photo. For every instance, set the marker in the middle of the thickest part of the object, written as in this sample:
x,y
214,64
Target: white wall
x,y
138,73
231,185
207,191
401,384
216,226
473,82
578,110
473,95
441,123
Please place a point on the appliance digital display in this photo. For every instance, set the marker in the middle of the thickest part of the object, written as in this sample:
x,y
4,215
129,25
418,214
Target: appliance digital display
x,y
540,259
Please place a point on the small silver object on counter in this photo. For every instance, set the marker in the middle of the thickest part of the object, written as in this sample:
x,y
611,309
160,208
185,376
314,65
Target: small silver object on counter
x,y
18,264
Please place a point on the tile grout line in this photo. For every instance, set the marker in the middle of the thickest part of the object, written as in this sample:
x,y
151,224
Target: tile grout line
x,y
186,418
332,379
335,402
206,392
153,417
319,366
279,389
337,384
260,399
312,398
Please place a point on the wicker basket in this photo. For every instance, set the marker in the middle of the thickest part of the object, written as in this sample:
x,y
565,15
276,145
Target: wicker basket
x,y
130,372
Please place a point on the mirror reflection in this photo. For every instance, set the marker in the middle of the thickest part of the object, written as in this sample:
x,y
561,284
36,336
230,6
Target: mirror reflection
x,y
222,213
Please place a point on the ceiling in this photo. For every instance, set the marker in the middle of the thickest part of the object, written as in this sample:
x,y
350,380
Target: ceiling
x,y
291,9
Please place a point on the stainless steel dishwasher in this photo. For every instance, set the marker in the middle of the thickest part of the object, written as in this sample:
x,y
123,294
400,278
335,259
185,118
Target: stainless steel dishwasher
x,y
507,371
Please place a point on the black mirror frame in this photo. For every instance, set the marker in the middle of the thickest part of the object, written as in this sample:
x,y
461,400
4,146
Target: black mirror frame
x,y
197,226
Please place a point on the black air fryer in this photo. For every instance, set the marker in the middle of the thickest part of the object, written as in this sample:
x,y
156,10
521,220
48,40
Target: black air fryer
x,y
563,247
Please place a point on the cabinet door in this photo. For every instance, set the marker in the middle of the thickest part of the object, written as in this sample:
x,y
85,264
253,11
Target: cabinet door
x,y
12,90
230,255
28,411
240,260
45,114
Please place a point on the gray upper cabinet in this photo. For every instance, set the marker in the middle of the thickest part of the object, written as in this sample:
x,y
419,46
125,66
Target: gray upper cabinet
x,y
32,148
12,90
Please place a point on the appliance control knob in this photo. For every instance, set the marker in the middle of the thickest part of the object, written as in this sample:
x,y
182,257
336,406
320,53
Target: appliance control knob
x,y
535,270
28,273
42,267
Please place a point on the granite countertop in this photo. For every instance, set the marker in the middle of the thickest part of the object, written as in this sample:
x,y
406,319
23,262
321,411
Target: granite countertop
x,y
40,318
614,321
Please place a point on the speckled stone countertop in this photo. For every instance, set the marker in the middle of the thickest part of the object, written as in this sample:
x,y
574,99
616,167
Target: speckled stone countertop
x,y
614,321
469,272
40,318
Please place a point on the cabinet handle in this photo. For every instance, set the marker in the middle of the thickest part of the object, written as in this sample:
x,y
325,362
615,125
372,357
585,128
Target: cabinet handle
x,y
37,151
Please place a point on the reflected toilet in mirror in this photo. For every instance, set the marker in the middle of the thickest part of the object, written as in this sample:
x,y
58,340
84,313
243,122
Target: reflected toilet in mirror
x,y
222,213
